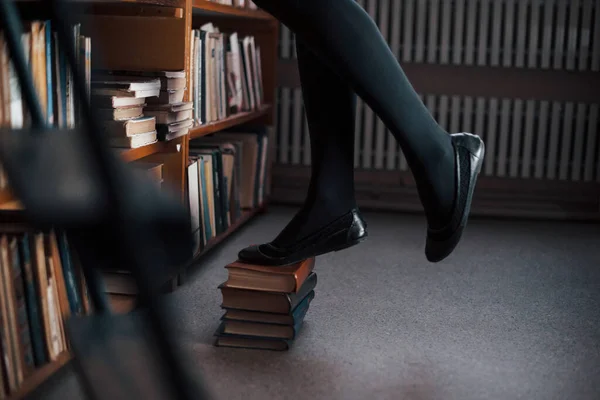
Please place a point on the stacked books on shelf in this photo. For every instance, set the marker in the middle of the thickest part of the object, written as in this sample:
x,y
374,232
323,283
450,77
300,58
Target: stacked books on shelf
x,y
140,108
265,306
226,175
226,75
40,286
52,79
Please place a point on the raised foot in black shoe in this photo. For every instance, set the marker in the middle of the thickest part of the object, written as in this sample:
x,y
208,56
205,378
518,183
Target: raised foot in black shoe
x,y
346,231
469,151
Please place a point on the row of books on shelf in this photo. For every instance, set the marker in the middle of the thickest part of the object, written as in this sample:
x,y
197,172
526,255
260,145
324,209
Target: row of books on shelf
x,y
226,74
40,285
226,174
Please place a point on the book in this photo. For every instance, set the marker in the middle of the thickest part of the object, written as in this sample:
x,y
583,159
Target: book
x,y
135,141
273,302
129,127
284,279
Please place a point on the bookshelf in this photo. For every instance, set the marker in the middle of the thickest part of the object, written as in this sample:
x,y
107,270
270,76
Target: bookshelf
x,y
154,35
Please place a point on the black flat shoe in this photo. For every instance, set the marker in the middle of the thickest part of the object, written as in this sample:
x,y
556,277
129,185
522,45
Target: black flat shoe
x,y
469,150
348,230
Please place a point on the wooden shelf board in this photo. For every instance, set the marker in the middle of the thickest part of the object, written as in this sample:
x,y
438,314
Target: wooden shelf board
x,y
129,155
230,11
40,375
231,121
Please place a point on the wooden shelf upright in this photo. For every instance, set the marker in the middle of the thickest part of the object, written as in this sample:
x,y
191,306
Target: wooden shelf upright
x,y
154,35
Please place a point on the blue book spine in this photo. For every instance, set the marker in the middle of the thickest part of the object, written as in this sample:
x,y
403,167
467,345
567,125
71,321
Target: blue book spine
x,y
31,299
73,295
49,64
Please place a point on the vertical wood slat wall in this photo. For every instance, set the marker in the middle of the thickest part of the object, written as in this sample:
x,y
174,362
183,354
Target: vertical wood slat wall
x,y
530,138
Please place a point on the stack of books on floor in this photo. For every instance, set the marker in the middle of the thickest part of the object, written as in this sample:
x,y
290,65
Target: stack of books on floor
x,y
226,176
265,307
41,285
226,75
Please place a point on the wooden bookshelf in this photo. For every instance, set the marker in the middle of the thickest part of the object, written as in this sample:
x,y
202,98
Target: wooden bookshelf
x,y
209,8
229,122
40,375
154,35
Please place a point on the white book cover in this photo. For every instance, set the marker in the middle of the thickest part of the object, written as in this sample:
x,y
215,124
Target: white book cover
x,y
200,64
516,133
483,32
533,47
548,35
578,141
472,20
284,149
566,141
495,49
523,23
432,25
194,203
194,72
555,131
421,31
236,69
561,28
458,34
591,156
297,118
490,139
527,163
541,139
446,34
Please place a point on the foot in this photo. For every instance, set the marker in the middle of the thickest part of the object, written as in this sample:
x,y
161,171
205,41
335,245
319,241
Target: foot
x,y
469,151
343,232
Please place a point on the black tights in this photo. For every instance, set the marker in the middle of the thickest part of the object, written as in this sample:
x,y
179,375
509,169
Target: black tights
x,y
341,51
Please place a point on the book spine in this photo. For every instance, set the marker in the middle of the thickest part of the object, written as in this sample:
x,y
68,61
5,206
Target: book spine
x,y
31,298
25,350
73,294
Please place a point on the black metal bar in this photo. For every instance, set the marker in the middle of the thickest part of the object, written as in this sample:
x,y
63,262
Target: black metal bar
x,y
12,32
131,238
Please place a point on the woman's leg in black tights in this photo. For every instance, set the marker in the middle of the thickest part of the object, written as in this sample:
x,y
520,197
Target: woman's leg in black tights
x,y
329,106
344,37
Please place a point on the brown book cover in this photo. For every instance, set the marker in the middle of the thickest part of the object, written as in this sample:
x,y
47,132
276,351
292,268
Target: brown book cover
x,y
274,302
130,127
284,279
6,335
120,113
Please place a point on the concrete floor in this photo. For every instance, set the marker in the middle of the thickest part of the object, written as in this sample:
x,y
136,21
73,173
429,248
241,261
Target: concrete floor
x,y
514,313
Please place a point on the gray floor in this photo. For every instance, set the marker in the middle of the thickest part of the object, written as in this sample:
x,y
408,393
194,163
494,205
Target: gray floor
x,y
514,313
